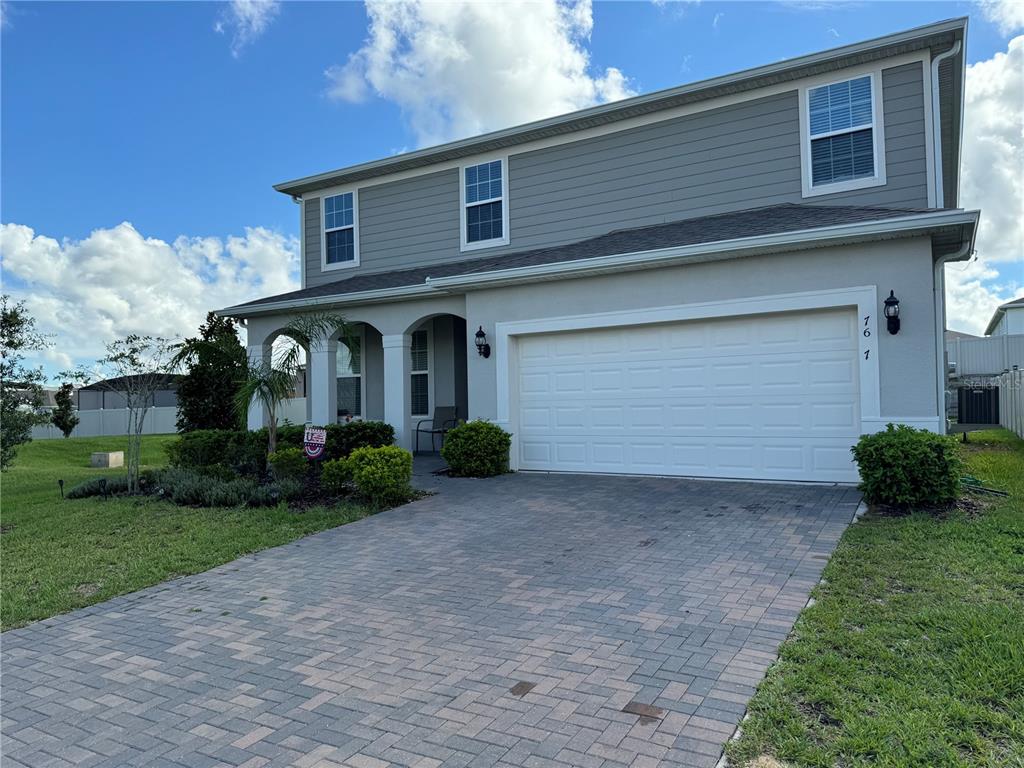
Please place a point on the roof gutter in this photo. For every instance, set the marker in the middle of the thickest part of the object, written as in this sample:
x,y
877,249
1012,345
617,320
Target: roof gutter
x,y
360,297
902,226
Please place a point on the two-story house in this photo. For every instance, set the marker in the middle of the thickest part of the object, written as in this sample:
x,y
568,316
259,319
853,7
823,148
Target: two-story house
x,y
688,282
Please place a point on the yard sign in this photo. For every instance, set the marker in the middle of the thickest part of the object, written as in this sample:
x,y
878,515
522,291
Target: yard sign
x,y
314,441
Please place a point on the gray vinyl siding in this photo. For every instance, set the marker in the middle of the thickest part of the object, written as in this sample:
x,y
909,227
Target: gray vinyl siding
x,y
736,157
312,234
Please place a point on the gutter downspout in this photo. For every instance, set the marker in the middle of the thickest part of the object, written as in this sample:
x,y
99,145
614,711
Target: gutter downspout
x,y
939,289
940,198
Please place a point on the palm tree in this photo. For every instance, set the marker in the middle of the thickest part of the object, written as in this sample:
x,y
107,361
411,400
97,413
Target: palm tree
x,y
269,383
269,387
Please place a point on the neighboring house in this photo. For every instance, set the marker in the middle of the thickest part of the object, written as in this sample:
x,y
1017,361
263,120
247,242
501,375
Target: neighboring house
x,y
111,393
688,282
1007,319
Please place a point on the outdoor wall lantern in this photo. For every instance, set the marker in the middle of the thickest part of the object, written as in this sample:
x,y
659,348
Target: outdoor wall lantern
x,y
892,314
481,343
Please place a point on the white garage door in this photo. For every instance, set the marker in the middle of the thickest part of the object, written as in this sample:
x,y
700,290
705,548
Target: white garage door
x,y
766,396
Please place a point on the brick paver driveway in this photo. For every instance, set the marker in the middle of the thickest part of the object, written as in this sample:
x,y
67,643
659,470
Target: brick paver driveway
x,y
397,640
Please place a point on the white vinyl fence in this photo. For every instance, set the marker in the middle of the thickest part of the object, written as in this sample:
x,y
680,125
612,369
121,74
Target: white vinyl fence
x,y
110,422
160,420
987,356
1011,401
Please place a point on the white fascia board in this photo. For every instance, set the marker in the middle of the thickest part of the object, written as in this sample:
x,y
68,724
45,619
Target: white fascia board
x,y
902,226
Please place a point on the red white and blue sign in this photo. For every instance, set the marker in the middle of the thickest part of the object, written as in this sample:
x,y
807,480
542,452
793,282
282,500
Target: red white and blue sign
x,y
314,441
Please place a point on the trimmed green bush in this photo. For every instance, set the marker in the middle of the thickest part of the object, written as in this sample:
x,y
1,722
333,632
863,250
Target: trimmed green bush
x,y
335,476
907,468
245,453
477,449
382,475
288,463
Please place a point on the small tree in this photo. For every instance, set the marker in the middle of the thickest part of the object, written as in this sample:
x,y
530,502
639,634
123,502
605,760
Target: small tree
x,y
21,387
63,416
134,367
269,382
215,365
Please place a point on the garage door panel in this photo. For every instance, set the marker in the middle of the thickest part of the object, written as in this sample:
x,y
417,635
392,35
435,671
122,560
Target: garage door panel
x,y
772,397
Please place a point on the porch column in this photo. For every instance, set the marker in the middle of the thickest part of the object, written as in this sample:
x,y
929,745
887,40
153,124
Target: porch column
x,y
398,386
322,405
258,417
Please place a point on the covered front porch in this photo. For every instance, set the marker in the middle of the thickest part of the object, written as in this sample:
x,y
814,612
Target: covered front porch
x,y
393,363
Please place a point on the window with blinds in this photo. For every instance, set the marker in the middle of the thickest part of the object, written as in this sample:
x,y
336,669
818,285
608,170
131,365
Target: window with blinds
x,y
840,118
350,379
420,369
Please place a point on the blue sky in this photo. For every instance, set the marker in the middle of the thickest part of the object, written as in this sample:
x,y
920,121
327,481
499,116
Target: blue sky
x,y
177,117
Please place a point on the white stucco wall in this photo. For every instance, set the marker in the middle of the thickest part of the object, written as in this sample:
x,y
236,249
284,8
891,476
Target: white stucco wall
x,y
907,364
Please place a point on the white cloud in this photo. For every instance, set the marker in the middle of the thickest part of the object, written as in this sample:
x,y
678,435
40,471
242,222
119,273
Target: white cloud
x,y
992,180
247,20
1008,15
459,69
115,281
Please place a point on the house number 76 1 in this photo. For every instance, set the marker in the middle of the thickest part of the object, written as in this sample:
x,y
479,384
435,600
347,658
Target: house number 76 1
x,y
867,335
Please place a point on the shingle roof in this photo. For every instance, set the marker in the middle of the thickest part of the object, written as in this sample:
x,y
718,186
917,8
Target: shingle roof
x,y
774,219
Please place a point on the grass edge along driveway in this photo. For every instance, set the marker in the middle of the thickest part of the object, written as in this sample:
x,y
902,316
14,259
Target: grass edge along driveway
x,y
61,555
913,654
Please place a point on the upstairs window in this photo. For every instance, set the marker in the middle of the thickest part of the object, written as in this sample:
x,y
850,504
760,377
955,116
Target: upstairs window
x,y
843,137
484,211
340,241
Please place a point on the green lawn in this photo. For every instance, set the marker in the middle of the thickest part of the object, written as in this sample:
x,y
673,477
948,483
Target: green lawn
x,y
58,555
913,654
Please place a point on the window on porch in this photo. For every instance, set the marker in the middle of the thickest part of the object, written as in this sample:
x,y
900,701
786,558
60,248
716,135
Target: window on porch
x,y
420,373
350,378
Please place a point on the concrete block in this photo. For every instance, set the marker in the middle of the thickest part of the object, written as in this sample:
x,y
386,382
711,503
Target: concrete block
x,y
107,459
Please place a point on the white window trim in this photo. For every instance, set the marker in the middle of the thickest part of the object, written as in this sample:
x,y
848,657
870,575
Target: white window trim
x,y
428,326
324,266
361,336
497,241
877,134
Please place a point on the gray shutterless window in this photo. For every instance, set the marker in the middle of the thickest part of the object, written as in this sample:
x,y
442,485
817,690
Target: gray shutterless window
x,y
339,228
420,373
484,201
841,119
350,378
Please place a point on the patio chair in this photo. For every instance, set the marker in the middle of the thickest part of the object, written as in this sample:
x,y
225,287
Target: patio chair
x,y
445,417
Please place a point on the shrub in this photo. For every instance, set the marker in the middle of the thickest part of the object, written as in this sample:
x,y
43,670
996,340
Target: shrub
x,y
245,452
241,451
477,449
113,486
335,475
382,474
288,463
904,467
359,434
